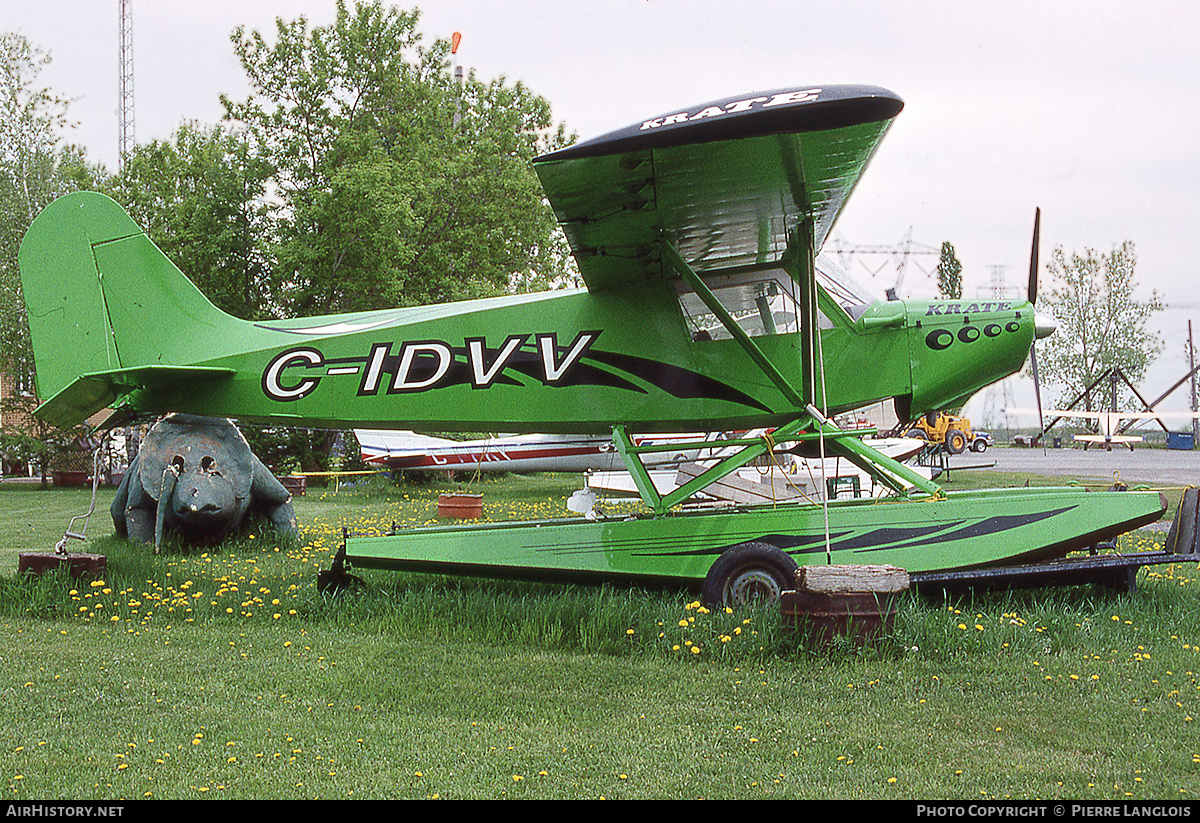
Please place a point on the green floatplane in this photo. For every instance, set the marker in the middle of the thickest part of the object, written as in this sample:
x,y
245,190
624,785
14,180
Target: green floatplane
x,y
707,308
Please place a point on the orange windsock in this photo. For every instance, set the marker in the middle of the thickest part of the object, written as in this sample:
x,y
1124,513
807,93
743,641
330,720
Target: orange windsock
x,y
454,41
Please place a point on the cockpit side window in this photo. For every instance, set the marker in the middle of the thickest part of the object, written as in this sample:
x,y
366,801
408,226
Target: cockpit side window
x,y
764,302
761,303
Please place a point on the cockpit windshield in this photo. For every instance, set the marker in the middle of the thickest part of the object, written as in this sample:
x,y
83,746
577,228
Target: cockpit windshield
x,y
844,290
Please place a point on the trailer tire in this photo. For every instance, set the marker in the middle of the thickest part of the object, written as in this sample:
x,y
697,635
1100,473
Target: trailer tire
x,y
956,441
747,574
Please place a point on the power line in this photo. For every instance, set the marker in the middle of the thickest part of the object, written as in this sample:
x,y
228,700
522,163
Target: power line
x,y
897,255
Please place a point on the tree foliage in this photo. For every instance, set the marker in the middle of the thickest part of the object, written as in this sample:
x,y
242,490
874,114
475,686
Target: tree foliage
x,y
35,168
356,174
201,197
949,273
1101,323
396,186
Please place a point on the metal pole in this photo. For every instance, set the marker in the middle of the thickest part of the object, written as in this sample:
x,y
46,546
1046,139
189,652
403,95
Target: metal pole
x,y
1192,368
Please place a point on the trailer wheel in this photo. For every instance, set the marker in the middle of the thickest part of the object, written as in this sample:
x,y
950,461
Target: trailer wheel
x,y
956,441
748,574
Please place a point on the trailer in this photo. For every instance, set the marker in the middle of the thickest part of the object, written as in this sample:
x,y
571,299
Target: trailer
x,y
733,555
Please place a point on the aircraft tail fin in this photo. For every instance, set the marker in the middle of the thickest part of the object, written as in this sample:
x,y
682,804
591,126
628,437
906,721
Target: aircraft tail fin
x,y
105,307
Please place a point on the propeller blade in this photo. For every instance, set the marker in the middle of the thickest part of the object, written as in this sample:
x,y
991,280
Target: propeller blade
x,y
1037,392
1033,256
1033,273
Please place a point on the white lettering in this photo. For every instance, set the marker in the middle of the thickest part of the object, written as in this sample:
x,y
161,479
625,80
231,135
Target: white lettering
x,y
711,111
370,382
782,99
272,384
477,354
787,98
547,343
409,353
744,105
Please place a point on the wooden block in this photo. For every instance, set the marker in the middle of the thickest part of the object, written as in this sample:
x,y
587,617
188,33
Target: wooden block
x,y
861,617
76,565
460,505
851,579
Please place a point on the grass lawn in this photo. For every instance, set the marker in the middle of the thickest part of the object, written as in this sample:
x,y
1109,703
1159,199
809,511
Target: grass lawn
x,y
223,673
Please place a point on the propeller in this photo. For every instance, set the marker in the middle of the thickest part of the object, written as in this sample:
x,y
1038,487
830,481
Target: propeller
x,y
1041,329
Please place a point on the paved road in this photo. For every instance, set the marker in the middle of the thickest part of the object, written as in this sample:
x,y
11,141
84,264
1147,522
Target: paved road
x,y
1167,467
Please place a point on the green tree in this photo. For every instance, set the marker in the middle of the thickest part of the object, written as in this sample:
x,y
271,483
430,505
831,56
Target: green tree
x,y
1101,323
396,185
201,197
35,168
949,273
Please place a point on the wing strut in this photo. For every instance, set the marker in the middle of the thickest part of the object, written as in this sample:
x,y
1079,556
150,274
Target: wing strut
x,y
809,424
751,448
806,427
738,333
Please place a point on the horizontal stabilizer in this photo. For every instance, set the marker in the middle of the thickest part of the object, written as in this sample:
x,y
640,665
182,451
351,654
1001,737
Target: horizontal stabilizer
x,y
90,393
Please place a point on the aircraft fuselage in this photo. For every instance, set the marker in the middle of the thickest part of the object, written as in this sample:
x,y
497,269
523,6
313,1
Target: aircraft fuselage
x,y
583,362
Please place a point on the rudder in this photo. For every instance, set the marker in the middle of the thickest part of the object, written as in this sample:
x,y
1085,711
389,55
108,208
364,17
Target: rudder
x,y
64,298
101,297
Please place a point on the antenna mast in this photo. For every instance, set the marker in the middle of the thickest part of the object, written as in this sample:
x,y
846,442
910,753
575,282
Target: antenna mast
x,y
125,137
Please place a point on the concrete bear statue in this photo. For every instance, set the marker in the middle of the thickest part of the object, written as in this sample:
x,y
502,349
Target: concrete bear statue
x,y
198,477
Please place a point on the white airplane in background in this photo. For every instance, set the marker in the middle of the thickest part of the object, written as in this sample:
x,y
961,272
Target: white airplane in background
x,y
596,456
787,477
515,453
1110,424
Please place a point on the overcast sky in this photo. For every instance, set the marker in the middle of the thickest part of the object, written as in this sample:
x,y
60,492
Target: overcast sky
x,y
1086,109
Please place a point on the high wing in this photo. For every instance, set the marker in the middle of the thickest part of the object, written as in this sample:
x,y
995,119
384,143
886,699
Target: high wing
x,y
726,183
